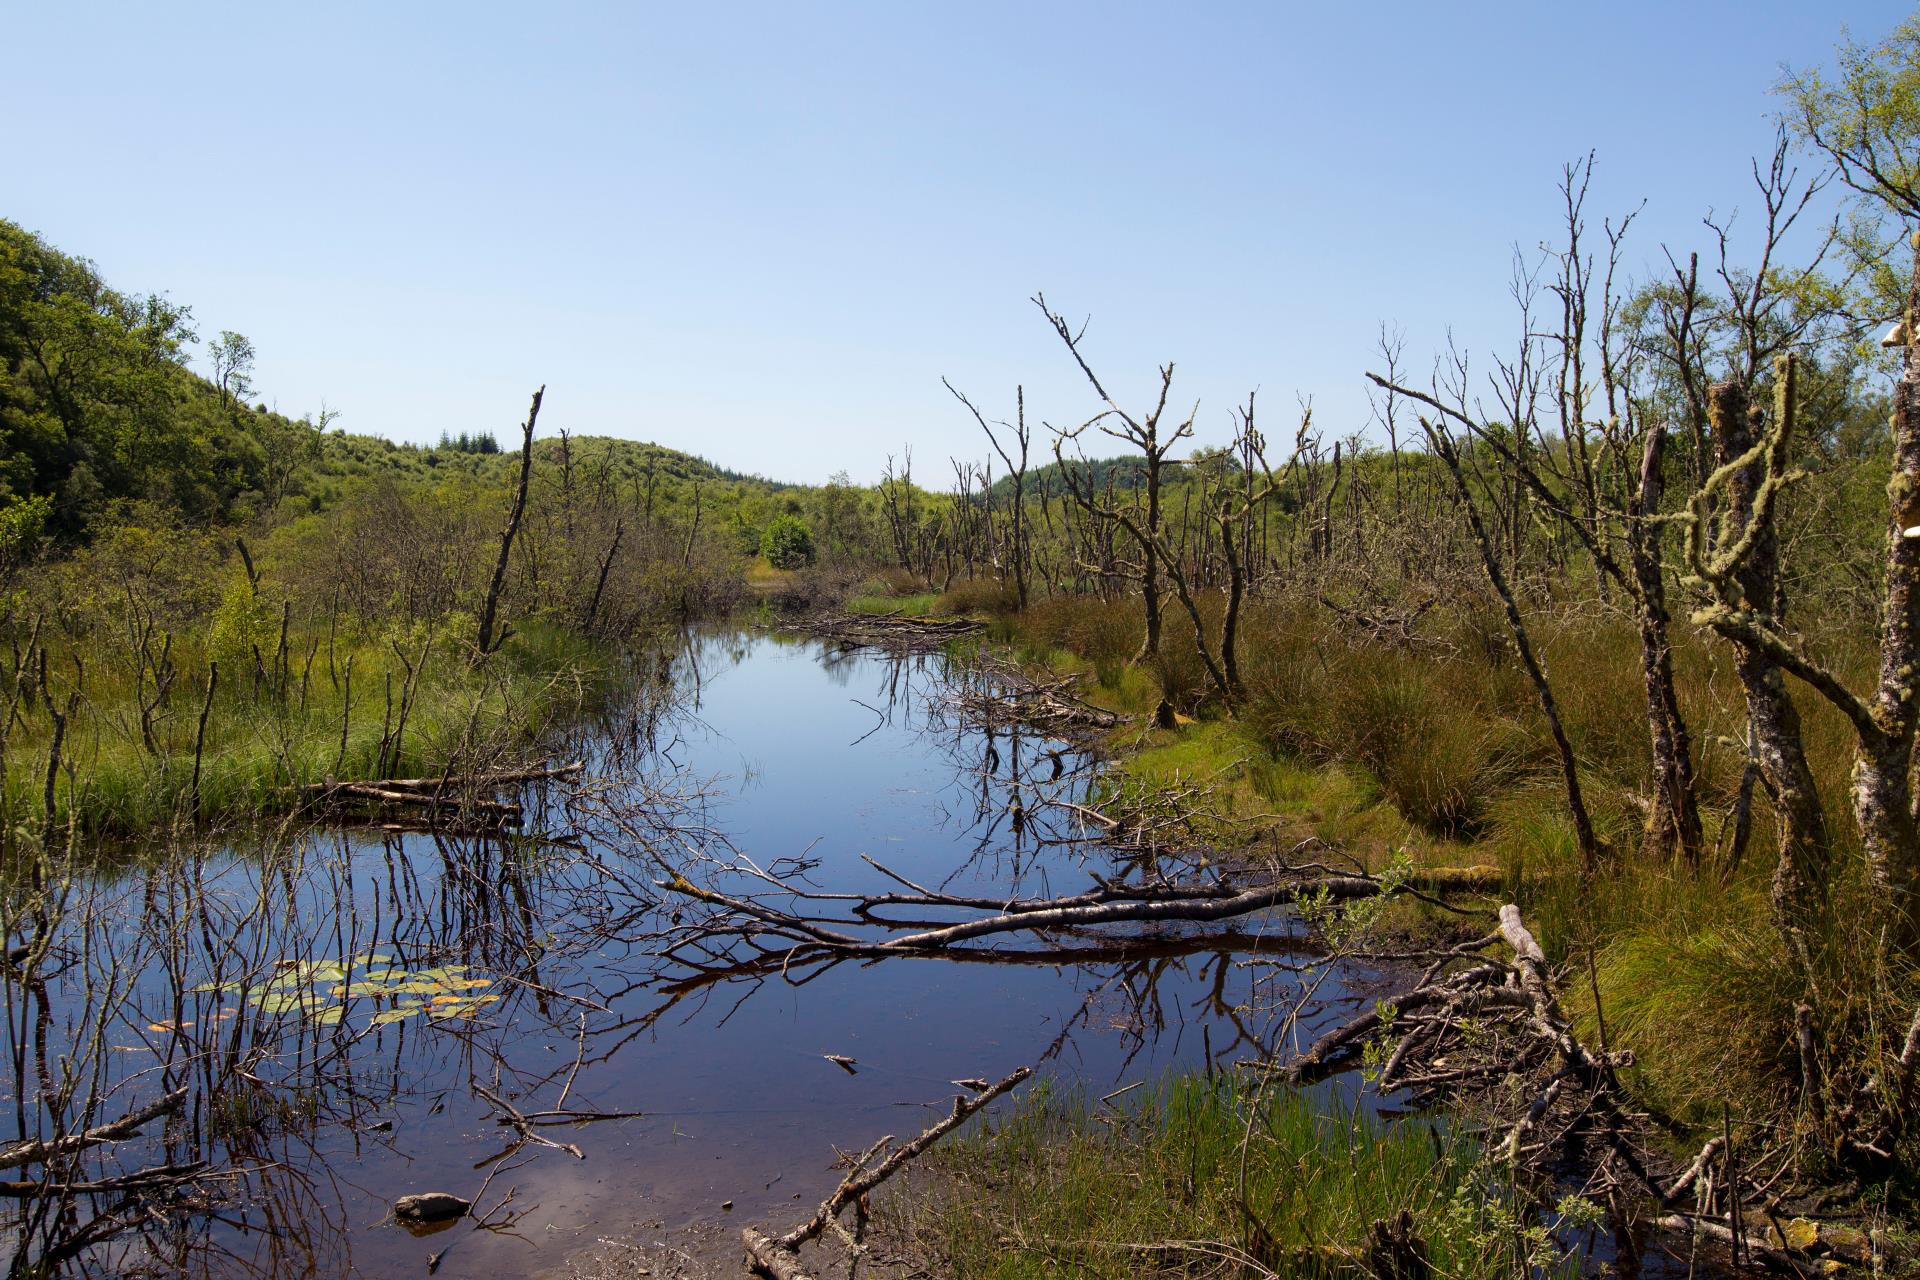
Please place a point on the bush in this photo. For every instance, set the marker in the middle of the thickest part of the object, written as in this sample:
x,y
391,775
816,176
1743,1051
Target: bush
x,y
980,595
787,543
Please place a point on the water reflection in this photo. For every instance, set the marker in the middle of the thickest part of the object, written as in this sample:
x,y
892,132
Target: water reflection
x,y
359,1014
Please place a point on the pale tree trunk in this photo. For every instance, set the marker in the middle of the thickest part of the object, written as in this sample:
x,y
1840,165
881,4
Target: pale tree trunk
x,y
1673,822
1802,869
1882,769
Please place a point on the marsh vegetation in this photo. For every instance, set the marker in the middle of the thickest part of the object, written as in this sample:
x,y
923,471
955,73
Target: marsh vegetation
x,y
1478,841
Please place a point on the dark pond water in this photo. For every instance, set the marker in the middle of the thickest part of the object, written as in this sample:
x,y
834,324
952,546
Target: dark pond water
x,y
340,1005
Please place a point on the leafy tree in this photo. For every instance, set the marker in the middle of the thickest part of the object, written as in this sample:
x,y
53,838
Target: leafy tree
x,y
787,542
233,366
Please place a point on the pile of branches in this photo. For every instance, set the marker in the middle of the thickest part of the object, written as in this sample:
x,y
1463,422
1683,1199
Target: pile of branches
x,y
1491,1030
1013,698
894,632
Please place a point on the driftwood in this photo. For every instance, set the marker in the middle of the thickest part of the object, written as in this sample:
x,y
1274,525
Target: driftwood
x,y
457,795
38,1151
164,1175
780,1257
1109,904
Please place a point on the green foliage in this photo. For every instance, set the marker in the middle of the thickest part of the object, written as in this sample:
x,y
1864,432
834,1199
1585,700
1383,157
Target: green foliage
x,y
245,624
1867,116
787,543
1210,1169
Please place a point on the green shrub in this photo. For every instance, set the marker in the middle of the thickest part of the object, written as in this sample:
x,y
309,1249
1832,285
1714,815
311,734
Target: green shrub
x,y
787,543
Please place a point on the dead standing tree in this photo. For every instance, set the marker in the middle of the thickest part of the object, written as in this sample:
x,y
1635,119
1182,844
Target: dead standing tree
x,y
1232,511
487,640
1017,512
1582,483
1447,450
1143,433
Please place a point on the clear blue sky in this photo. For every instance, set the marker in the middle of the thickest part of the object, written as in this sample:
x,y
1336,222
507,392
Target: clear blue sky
x,y
763,232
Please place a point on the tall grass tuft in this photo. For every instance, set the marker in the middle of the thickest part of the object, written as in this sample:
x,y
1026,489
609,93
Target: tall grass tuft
x,y
1062,1188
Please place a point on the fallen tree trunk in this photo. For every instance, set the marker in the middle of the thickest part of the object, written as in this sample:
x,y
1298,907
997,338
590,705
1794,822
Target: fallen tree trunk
x,y
454,782
1108,905
38,1151
780,1257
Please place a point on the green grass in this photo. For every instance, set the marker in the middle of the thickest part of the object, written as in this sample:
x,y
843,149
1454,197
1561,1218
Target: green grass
x,y
920,604
1064,1187
262,746
1440,753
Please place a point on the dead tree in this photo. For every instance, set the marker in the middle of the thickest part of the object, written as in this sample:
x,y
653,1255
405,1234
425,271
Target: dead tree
x,y
896,500
1018,470
1143,433
488,641
1233,511
1613,514
1444,447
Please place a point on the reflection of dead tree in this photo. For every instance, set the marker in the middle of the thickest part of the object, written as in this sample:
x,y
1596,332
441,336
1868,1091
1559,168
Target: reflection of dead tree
x,y
780,1257
1011,697
41,1151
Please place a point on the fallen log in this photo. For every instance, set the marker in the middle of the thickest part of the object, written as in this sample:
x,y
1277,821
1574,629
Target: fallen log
x,y
38,1151
1109,905
454,782
387,795
139,1180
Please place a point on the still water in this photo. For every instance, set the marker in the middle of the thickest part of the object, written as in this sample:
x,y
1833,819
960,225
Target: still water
x,y
340,1005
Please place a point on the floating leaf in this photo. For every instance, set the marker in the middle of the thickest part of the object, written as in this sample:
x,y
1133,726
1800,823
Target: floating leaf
x,y
280,1002
466,1008
472,983
441,974
168,1026
400,1014
327,1015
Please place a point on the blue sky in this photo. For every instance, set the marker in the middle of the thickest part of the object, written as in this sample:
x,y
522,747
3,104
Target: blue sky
x,y
763,233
